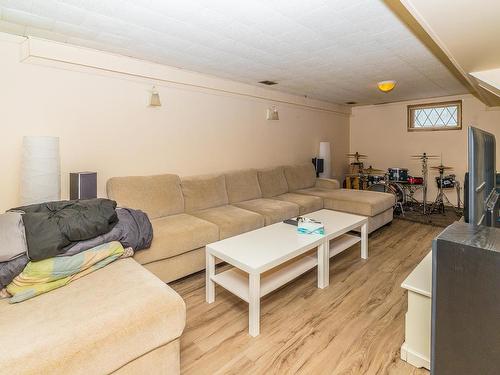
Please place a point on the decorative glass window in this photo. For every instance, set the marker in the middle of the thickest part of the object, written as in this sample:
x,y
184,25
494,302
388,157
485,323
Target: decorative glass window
x,y
435,116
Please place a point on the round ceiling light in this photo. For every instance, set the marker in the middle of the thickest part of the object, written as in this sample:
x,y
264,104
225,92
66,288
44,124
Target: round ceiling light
x,y
386,86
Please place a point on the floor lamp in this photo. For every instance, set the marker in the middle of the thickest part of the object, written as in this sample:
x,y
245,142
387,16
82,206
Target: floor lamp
x,y
41,170
324,153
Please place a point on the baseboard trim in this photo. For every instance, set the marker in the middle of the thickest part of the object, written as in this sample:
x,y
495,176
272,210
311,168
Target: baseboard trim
x,y
414,358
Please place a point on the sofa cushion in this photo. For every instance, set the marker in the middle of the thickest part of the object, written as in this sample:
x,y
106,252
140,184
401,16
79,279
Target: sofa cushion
x,y
231,220
307,203
301,176
327,183
273,210
242,186
95,325
177,234
202,192
361,202
158,196
272,182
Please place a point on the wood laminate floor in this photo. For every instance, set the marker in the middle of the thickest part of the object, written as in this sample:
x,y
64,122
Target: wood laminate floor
x,y
355,326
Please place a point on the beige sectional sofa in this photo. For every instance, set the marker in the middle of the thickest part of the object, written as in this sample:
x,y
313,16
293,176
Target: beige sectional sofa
x,y
191,212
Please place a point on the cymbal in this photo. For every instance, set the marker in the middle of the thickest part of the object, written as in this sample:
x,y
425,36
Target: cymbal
x,y
357,155
441,167
421,156
372,170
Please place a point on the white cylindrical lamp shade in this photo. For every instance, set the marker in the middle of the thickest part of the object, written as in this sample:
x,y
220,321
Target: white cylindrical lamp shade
x,y
324,153
40,170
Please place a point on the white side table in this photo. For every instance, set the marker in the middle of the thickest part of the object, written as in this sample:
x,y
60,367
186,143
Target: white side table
x,y
417,346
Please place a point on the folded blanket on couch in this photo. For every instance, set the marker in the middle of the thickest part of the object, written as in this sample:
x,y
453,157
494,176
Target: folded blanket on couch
x,y
132,230
52,226
46,275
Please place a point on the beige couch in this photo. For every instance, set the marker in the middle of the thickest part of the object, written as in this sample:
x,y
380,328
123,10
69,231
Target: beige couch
x,y
120,319
191,212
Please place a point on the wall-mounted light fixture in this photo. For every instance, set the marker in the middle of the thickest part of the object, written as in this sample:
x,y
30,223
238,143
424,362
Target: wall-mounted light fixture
x,y
386,86
155,98
272,113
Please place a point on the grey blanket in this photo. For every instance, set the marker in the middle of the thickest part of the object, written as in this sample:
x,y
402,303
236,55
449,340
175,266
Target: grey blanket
x,y
132,230
9,270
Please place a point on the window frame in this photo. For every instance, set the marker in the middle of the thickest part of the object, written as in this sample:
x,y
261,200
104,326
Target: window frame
x,y
411,110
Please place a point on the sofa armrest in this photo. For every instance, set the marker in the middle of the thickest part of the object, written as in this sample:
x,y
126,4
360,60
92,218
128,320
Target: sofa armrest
x,y
327,183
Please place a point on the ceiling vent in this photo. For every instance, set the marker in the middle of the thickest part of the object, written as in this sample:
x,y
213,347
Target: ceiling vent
x,y
268,83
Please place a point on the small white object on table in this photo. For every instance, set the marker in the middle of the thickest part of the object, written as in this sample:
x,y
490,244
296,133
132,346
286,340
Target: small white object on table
x,y
417,346
267,258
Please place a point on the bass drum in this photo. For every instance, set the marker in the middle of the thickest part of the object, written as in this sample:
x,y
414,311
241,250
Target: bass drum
x,y
393,188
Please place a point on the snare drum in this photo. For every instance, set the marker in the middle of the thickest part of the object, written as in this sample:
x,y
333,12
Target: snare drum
x,y
415,180
398,174
448,181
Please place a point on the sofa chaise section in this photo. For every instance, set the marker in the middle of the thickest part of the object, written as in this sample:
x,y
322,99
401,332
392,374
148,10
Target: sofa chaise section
x,y
179,239
206,197
378,207
120,319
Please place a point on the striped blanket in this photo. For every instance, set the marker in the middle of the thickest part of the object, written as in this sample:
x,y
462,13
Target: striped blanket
x,y
48,274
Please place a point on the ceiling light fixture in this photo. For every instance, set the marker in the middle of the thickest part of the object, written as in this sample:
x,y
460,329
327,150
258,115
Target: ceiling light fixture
x,y
272,113
386,86
155,98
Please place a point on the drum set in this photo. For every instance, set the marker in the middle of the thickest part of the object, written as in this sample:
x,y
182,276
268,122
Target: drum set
x,y
403,186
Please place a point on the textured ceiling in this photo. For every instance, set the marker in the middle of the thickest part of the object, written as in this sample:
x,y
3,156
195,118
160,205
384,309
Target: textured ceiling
x,y
333,50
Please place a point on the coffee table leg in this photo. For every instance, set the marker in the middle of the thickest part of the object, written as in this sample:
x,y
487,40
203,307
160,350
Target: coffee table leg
x,y
323,265
209,272
364,241
254,305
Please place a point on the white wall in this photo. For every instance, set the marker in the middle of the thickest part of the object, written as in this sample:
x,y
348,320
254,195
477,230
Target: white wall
x,y
104,125
381,133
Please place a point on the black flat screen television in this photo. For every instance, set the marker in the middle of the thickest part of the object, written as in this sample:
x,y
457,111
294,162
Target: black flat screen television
x,y
480,194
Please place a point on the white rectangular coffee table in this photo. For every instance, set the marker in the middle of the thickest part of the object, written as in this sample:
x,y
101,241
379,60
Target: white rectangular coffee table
x,y
267,258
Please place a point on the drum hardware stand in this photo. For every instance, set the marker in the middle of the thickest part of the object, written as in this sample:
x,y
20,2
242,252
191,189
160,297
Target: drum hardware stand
x,y
459,208
410,198
424,157
424,189
400,205
441,198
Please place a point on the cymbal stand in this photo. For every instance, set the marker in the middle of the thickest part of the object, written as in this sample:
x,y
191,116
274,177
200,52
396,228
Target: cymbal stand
x,y
424,188
441,197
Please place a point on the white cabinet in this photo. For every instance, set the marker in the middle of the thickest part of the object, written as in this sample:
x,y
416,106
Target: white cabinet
x,y
417,346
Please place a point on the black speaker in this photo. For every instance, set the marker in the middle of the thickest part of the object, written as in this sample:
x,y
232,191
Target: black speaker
x,y
318,165
83,185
